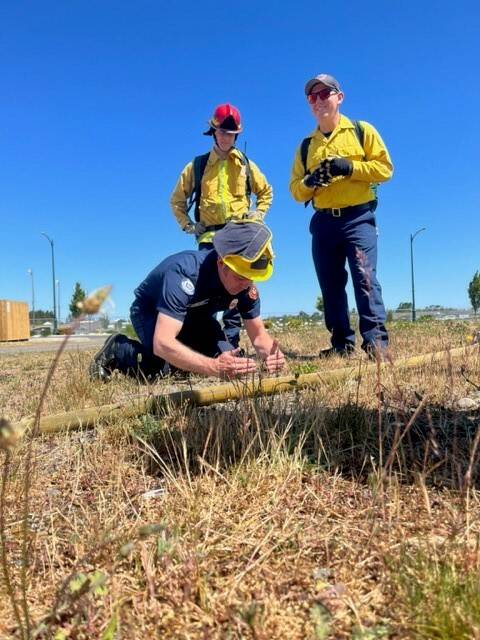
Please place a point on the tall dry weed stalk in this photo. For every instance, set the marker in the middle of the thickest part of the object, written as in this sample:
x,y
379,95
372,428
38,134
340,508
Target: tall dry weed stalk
x,y
91,305
366,270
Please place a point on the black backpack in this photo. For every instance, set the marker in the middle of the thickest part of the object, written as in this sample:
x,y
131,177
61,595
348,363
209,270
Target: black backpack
x,y
360,133
199,164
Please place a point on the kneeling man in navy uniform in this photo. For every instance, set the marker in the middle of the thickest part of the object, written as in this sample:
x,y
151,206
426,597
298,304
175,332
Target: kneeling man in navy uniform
x,y
175,307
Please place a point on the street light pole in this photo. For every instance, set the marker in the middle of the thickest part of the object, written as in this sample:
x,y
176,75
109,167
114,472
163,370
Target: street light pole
x,y
53,284
59,317
30,273
412,238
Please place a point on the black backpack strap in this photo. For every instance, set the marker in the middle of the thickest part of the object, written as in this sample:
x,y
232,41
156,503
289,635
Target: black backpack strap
x,y
199,164
304,153
360,133
248,171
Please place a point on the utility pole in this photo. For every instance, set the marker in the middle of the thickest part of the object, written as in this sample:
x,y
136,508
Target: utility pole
x,y
59,315
412,238
30,273
53,284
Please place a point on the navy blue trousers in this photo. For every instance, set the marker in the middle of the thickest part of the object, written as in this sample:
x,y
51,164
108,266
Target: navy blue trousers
x,y
199,332
232,320
351,237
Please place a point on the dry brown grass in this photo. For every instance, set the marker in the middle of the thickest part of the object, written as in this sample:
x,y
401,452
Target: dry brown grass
x,y
302,516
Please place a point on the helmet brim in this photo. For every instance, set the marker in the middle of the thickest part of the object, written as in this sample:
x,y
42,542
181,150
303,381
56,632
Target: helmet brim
x,y
258,270
212,130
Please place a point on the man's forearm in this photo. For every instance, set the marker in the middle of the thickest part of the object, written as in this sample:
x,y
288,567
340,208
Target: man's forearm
x,y
269,352
262,345
182,357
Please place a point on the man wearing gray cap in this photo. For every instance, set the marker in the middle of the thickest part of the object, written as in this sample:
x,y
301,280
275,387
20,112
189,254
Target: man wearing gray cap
x,y
175,307
337,168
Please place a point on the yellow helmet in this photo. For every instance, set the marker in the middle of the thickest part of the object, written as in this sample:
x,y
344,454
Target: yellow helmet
x,y
245,246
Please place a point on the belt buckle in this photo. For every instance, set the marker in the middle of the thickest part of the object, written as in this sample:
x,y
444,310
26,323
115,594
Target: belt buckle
x,y
336,213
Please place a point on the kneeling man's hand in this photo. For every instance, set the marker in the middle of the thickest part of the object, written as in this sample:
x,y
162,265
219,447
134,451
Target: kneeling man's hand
x,y
231,366
276,360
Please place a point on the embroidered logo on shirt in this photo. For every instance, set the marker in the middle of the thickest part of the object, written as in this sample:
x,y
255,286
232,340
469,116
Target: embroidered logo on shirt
x,y
252,293
233,303
187,286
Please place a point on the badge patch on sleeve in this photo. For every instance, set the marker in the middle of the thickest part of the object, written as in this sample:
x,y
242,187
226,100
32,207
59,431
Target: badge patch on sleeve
x,y
252,292
187,286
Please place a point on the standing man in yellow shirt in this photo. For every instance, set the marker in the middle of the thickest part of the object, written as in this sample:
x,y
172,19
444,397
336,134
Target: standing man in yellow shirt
x,y
218,185
337,168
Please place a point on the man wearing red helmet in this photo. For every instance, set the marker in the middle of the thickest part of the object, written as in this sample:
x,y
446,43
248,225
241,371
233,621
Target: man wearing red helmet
x,y
218,187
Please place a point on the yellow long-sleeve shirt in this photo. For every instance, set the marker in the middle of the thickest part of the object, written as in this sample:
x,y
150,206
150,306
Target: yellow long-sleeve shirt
x,y
371,164
223,193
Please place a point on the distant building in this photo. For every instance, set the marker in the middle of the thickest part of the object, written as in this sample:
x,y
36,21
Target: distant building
x,y
89,326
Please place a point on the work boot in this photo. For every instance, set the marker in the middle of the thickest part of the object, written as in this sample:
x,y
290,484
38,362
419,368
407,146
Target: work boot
x,y
346,352
103,362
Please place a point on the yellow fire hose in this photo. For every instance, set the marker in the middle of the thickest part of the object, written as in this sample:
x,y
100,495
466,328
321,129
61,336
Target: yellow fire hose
x,y
205,396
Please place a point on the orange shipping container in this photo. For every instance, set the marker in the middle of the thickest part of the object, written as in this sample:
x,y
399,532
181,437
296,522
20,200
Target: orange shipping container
x,y
14,320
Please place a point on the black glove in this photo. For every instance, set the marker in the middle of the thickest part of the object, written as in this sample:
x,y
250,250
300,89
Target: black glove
x,y
337,167
319,178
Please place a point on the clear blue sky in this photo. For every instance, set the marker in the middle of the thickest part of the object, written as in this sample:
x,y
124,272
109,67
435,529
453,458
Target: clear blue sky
x,y
103,103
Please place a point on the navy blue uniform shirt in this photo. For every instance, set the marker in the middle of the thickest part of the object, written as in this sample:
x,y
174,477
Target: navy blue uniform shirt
x,y
188,282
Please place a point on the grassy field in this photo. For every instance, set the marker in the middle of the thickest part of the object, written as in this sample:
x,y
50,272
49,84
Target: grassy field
x,y
348,511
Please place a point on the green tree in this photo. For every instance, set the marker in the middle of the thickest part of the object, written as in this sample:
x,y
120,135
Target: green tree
x,y
319,304
78,295
474,292
403,306
40,313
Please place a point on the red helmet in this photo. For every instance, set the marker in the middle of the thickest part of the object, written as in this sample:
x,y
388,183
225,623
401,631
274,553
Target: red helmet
x,y
227,117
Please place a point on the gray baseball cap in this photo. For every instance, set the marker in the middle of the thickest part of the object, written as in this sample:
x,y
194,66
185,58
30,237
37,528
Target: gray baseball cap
x,y
324,78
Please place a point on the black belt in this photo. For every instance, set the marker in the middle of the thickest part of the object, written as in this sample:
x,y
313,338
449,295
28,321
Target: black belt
x,y
214,227
356,208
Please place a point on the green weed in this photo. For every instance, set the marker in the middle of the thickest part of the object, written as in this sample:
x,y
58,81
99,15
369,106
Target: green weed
x,y
442,599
